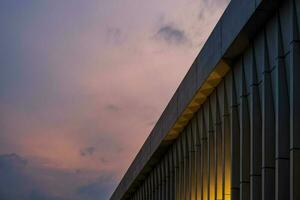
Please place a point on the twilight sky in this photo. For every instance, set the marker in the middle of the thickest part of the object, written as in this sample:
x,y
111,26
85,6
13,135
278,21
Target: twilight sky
x,y
82,84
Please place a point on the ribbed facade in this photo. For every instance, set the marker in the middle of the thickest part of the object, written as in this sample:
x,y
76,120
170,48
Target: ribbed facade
x,y
243,141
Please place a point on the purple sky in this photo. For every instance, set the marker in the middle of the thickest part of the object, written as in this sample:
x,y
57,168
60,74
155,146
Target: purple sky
x,y
82,84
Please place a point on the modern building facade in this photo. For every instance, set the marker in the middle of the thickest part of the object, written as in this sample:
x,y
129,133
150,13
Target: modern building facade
x,y
232,128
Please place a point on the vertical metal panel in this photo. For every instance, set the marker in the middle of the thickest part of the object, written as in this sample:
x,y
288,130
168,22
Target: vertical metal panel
x,y
179,168
186,176
295,104
268,143
218,149
197,129
149,188
205,155
147,197
141,190
235,143
282,121
145,187
192,159
163,179
139,194
244,138
167,182
158,183
172,174
256,134
226,146
182,166
211,154
177,171
153,184
144,190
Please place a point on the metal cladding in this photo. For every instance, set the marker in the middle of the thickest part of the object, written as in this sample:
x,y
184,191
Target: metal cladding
x,y
232,128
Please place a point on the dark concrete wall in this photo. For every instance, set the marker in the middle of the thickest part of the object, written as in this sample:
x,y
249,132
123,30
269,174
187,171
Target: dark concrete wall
x,y
232,129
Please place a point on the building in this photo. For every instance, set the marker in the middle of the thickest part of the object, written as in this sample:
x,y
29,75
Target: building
x,y
232,128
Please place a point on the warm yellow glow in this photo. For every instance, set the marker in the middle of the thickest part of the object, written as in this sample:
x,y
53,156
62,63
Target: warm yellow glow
x,y
219,187
205,195
227,170
227,197
212,191
205,90
219,174
212,172
206,178
227,181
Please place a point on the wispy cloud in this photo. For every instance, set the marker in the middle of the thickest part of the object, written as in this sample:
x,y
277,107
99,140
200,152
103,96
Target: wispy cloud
x,y
22,179
88,151
15,183
115,35
10,161
171,34
112,107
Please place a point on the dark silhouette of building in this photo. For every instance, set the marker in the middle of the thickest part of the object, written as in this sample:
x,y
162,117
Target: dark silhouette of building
x,y
232,128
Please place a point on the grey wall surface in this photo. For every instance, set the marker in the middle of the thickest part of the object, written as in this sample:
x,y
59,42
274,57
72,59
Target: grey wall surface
x,y
243,141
